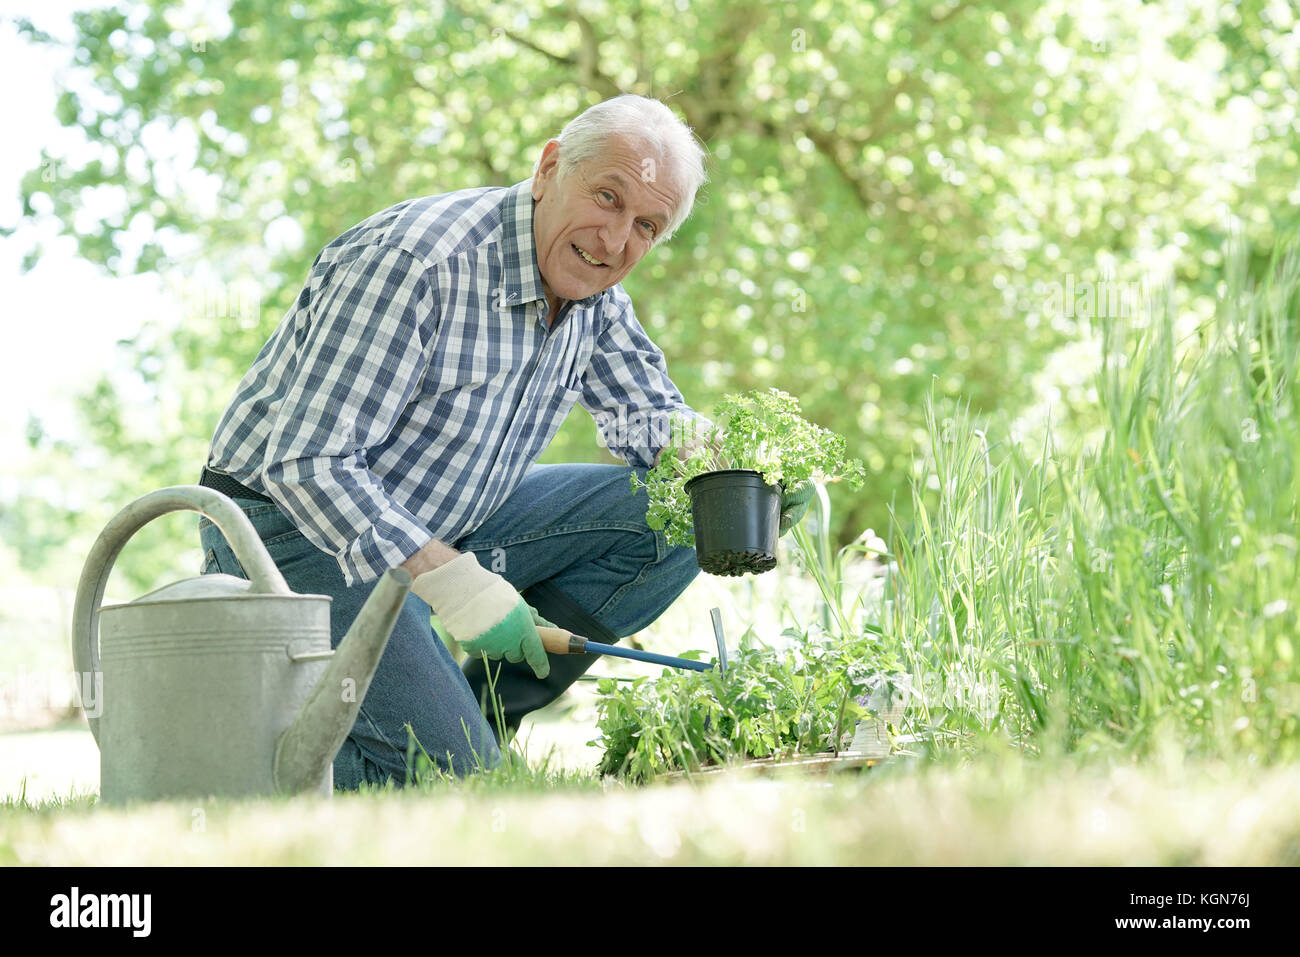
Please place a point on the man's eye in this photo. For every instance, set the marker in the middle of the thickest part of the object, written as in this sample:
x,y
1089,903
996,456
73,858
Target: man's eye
x,y
607,193
650,225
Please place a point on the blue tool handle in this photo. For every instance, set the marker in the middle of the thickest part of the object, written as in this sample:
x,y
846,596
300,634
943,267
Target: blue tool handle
x,y
596,648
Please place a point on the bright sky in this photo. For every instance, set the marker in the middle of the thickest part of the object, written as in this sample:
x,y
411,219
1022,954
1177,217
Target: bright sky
x,y
60,320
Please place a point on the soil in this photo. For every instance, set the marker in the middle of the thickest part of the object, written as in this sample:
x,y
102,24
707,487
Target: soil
x,y
734,564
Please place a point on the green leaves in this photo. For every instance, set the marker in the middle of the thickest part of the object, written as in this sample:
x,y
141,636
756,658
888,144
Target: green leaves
x,y
799,698
762,430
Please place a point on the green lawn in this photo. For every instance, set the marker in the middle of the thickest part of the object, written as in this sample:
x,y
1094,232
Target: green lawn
x,y
988,813
995,810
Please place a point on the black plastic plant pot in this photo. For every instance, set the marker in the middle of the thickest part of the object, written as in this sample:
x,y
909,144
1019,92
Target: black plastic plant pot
x,y
737,520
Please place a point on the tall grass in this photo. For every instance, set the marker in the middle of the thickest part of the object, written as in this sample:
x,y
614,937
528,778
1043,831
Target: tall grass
x,y
1139,595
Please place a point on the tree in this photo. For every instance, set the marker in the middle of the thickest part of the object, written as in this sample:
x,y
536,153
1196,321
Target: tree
x,y
893,185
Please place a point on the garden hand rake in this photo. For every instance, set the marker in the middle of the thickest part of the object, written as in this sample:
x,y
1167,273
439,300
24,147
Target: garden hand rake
x,y
560,642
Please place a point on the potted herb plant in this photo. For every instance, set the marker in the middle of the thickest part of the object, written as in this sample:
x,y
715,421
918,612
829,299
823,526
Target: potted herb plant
x,y
721,491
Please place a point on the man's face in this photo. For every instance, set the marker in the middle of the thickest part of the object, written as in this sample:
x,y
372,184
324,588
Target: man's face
x,y
605,209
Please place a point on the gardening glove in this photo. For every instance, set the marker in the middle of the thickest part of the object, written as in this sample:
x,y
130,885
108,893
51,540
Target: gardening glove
x,y
483,612
793,506
539,621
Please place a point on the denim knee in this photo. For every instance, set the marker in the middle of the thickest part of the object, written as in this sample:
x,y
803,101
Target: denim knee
x,y
679,567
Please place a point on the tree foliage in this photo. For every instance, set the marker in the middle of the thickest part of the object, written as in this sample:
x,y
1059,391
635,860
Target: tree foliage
x,y
893,184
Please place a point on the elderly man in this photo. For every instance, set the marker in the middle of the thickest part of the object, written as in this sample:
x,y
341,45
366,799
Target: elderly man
x,y
395,415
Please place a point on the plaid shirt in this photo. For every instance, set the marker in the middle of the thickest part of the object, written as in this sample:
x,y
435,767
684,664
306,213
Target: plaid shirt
x,y
414,381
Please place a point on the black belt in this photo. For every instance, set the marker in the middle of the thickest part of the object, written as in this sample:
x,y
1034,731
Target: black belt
x,y
223,483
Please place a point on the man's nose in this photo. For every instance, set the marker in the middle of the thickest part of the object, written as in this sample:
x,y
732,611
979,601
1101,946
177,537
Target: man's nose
x,y
613,235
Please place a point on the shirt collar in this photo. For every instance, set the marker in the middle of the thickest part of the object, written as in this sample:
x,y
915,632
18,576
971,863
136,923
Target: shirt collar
x,y
523,276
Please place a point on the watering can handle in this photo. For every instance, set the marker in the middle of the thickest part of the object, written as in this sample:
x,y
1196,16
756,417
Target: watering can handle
x,y
244,541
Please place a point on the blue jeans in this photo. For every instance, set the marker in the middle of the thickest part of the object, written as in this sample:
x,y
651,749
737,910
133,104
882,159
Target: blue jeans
x,y
572,538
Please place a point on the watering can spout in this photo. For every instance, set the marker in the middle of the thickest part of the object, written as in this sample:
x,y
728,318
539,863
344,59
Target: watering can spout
x,y
306,749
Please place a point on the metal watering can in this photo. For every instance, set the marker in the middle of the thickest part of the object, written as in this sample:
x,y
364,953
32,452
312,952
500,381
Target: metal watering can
x,y
217,686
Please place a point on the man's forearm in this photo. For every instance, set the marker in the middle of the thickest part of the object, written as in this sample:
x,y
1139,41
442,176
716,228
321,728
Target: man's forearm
x,y
433,554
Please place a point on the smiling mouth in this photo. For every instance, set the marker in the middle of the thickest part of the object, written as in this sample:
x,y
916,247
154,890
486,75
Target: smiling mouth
x,y
589,260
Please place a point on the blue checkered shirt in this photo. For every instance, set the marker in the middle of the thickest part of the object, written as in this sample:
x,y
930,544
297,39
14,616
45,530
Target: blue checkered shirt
x,y
414,381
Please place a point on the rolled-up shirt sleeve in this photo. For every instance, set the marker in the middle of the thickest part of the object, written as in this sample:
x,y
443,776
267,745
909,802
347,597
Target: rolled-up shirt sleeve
x,y
627,390
361,359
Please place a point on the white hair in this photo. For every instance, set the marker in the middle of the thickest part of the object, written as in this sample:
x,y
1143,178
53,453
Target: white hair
x,y
636,118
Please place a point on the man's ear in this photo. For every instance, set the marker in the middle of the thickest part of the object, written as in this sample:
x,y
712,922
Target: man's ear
x,y
546,168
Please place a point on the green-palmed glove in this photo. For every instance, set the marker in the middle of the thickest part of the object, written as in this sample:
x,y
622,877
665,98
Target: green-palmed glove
x,y
483,612
539,621
793,506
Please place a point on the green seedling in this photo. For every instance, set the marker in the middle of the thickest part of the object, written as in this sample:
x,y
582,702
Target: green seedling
x,y
802,698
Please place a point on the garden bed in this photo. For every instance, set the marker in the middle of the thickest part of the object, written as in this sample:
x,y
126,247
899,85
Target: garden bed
x,y
812,764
